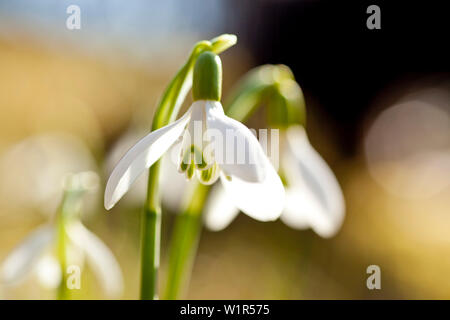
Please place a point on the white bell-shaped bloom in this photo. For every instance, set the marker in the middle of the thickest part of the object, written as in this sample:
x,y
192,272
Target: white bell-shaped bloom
x,y
214,146
32,255
99,257
314,198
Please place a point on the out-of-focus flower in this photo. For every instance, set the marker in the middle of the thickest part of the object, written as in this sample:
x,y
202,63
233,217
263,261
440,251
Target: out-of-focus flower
x,y
32,170
253,185
313,196
36,252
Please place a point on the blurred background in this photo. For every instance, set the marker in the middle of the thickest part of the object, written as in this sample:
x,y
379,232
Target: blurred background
x,y
378,105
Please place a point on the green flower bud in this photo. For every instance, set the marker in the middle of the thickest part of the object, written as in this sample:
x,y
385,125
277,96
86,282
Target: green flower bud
x,y
207,81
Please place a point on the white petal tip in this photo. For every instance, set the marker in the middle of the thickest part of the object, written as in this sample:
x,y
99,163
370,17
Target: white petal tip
x,y
328,233
141,157
108,204
220,210
213,227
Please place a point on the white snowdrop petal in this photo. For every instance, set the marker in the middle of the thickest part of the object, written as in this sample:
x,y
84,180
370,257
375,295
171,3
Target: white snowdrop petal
x,y
22,259
294,209
173,184
320,198
263,201
220,210
197,123
302,211
100,259
236,149
140,157
48,271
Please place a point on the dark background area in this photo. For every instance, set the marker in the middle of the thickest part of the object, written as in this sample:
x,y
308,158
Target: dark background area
x,y
338,60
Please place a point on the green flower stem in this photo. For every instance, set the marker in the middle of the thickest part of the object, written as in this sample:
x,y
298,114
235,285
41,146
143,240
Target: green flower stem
x,y
151,228
61,251
186,235
67,212
167,112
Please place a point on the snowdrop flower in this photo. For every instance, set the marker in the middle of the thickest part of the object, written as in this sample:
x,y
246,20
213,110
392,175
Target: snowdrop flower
x,y
208,143
36,253
313,196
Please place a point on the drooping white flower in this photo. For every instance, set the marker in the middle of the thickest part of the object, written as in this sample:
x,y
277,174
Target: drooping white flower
x,y
34,253
252,184
18,264
213,146
37,252
313,196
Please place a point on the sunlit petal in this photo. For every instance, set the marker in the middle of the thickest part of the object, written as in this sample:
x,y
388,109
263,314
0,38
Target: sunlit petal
x,y
263,201
140,157
173,184
21,260
302,211
315,195
219,210
291,214
48,271
100,259
236,149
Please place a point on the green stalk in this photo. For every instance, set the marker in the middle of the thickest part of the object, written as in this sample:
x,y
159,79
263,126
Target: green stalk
x,y
186,235
151,228
166,113
62,292
67,211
